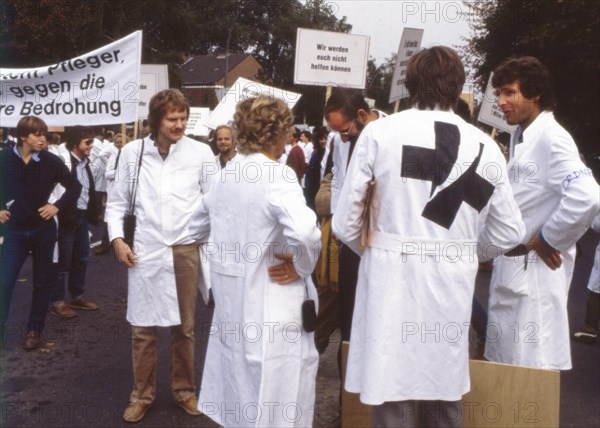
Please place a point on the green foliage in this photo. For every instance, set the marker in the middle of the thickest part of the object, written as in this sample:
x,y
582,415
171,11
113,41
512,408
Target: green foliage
x,y
41,32
267,29
379,81
563,34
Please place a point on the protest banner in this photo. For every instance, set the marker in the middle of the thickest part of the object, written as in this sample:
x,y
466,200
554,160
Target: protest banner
x,y
100,87
241,90
153,78
410,43
490,113
196,121
331,59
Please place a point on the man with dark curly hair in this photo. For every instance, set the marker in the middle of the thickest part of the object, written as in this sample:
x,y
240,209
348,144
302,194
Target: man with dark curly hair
x,y
558,198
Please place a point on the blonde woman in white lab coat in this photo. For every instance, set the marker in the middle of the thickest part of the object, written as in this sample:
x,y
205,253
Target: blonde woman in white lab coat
x,y
261,365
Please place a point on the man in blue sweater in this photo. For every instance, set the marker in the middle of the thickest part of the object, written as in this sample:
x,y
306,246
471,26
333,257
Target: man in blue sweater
x,y
27,177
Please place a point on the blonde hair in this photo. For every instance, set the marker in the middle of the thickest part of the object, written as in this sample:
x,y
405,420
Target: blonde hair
x,y
260,123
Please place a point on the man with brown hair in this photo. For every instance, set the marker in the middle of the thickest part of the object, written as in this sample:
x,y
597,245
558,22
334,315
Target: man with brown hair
x,y
27,176
435,201
558,198
169,173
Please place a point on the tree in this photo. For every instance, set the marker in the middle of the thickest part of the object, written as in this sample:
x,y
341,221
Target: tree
x,y
41,32
267,30
563,35
379,81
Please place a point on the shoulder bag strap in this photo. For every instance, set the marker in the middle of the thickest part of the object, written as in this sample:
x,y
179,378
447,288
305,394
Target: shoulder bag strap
x,y
137,179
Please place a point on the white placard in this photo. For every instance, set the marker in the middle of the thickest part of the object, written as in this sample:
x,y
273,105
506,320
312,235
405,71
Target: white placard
x,y
490,113
241,90
196,121
331,59
410,44
97,88
153,78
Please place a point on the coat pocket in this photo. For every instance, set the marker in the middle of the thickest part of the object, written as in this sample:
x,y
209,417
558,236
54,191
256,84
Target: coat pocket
x,y
511,274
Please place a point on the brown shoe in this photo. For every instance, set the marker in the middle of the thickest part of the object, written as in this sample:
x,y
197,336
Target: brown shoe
x,y
84,304
135,412
189,406
63,311
32,341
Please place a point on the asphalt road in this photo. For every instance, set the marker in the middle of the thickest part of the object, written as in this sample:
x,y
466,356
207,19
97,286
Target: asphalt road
x,y
82,376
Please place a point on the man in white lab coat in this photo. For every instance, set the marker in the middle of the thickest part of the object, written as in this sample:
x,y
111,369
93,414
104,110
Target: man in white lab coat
x,y
225,145
346,113
164,264
439,200
558,198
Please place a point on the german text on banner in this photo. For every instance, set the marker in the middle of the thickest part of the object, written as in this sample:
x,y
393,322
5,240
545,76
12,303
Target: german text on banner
x,y
100,87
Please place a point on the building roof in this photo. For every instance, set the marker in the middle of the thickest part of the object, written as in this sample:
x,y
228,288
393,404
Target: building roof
x,y
208,69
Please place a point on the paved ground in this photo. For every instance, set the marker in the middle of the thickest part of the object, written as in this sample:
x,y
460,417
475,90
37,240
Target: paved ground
x,y
82,377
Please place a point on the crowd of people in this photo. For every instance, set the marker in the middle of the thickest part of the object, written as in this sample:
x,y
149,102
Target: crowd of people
x,y
376,226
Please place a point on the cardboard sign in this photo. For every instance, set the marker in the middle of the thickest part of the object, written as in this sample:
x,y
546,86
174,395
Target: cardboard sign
x,y
241,90
501,396
97,88
410,44
153,78
196,121
490,113
331,59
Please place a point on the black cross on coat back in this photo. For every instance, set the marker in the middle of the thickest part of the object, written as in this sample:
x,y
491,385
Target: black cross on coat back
x,y
435,165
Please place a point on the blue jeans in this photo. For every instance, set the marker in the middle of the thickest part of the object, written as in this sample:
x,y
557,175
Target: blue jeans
x,y
73,257
13,252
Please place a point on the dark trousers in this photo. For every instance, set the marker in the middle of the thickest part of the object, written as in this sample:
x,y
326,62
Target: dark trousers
x,y
17,244
417,414
74,254
348,276
592,313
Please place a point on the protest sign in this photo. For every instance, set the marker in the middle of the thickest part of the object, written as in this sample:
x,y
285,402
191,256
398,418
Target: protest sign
x,y
196,121
490,113
332,59
410,43
153,78
241,90
100,87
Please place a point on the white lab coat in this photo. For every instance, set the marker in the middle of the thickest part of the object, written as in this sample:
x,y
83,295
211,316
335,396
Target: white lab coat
x,y
416,278
111,172
258,355
308,149
169,192
233,159
98,159
528,323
